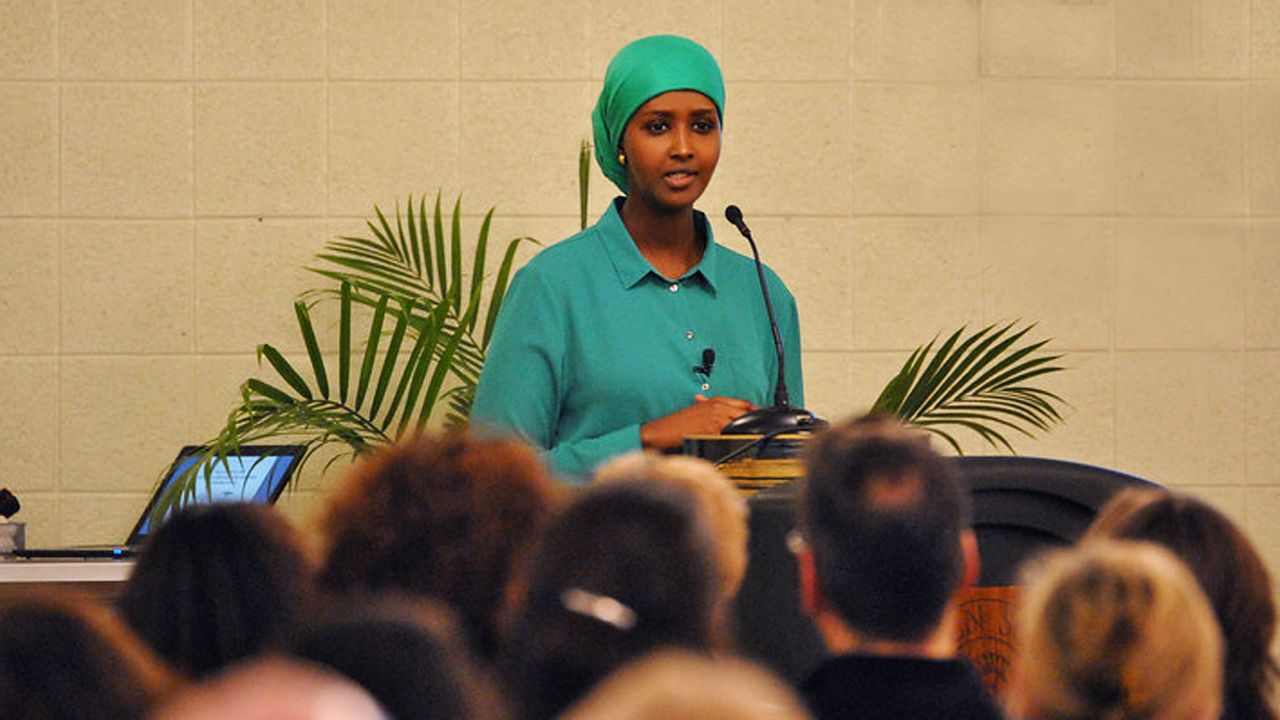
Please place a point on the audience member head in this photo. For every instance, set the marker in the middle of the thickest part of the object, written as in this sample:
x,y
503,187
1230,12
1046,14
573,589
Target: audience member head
x,y
886,525
1116,630
678,685
274,688
443,516
626,568
218,583
1230,573
407,654
63,658
722,505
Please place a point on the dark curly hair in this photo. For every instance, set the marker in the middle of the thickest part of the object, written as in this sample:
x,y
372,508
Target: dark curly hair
x,y
442,516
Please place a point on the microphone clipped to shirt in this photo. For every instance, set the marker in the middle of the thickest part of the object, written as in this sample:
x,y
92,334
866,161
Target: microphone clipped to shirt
x,y
708,362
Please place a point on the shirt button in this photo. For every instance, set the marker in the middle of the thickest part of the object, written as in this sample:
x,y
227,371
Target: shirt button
x,y
706,386
688,335
674,287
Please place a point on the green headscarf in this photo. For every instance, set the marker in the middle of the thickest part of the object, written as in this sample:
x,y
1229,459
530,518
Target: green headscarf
x,y
639,72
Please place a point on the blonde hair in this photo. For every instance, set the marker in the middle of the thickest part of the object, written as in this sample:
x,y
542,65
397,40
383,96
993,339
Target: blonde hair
x,y
1116,630
1118,511
678,685
722,507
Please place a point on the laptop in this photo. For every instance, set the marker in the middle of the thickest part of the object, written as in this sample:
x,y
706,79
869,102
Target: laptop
x,y
252,473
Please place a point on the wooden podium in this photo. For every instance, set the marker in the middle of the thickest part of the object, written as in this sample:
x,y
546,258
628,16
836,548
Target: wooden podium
x,y
756,462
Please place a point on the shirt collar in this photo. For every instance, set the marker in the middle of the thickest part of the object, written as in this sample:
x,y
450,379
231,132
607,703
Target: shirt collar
x,y
632,267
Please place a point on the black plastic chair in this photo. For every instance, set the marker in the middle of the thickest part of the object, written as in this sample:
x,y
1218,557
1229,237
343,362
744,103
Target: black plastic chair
x,y
1021,506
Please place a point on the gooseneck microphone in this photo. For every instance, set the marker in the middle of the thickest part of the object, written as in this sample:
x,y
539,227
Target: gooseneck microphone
x,y
781,417
781,398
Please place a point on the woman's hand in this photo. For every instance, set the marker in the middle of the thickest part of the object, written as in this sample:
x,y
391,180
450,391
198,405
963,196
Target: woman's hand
x,y
706,416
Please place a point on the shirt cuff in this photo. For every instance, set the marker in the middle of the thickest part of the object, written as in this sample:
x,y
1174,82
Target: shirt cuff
x,y
574,462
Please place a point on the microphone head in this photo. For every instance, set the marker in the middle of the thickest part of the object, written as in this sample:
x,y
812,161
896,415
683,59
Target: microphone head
x,y
8,503
708,357
733,215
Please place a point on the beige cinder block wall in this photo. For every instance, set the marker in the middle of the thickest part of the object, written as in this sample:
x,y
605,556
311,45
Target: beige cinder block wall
x,y
1110,169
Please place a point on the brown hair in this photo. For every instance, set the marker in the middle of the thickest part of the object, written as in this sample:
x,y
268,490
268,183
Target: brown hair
x,y
1229,571
63,657
445,516
1116,631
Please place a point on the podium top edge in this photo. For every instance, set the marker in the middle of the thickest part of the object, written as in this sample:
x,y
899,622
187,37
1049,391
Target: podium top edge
x,y
788,436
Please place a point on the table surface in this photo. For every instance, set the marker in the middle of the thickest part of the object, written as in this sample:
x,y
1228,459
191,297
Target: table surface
x,y
17,570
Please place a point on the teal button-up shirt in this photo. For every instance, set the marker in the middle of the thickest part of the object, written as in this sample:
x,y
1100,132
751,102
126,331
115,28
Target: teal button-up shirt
x,y
592,342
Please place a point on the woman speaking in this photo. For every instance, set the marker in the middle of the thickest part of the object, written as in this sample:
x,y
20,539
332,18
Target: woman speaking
x,y
639,330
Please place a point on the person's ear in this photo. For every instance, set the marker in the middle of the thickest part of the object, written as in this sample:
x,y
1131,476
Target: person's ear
x,y
811,600
972,561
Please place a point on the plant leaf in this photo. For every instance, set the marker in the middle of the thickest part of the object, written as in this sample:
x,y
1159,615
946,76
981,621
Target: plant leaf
x,y
976,381
500,288
455,254
388,237
313,348
426,241
344,342
477,267
445,360
443,286
896,391
389,362
284,369
269,391
371,349
415,248
925,385
428,338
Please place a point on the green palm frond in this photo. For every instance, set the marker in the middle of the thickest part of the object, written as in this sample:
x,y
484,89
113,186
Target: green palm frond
x,y
381,391
977,382
415,259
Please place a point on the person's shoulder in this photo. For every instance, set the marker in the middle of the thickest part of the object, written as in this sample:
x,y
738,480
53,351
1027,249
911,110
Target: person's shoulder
x,y
565,258
740,265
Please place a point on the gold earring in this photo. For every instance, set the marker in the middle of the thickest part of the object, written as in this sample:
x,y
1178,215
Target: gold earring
x,y
622,158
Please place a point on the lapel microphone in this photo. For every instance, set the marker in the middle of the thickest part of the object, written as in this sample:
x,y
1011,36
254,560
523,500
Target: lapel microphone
x,y
708,361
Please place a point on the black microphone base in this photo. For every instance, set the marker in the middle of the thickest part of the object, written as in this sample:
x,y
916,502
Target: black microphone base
x,y
776,420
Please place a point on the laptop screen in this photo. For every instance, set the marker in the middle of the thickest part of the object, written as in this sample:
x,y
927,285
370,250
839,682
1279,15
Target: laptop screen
x,y
255,473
